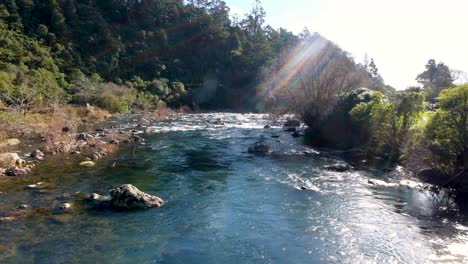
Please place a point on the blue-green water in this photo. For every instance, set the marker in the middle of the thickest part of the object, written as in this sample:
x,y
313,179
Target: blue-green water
x,y
227,206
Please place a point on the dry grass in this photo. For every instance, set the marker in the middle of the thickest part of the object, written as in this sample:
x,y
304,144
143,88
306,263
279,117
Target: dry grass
x,y
48,125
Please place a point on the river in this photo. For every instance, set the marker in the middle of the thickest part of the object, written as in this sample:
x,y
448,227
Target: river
x,y
224,205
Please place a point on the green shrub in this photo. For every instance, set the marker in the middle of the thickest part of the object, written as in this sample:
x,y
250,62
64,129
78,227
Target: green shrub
x,y
388,125
446,132
112,104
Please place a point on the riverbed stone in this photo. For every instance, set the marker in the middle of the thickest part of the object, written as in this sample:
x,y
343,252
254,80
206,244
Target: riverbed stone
x,y
36,186
114,141
128,196
97,200
83,136
95,156
10,159
63,208
37,154
23,207
8,219
16,171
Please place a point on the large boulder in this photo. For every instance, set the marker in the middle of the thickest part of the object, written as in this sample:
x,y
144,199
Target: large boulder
x,y
128,196
291,125
10,159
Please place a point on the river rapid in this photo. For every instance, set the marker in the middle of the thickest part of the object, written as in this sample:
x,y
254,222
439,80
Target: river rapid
x,y
224,205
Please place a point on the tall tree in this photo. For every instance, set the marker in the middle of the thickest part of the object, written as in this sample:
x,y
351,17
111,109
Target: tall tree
x,y
436,77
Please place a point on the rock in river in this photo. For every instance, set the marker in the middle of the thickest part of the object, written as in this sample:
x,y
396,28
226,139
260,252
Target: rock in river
x,y
15,171
98,200
10,159
128,196
291,125
37,154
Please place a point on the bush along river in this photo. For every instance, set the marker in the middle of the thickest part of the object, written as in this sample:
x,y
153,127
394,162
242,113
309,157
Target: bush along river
x,y
236,188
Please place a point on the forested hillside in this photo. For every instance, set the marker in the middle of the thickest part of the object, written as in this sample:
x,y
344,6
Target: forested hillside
x,y
164,48
180,52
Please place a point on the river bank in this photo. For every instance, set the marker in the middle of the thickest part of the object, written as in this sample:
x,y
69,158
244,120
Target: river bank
x,y
26,140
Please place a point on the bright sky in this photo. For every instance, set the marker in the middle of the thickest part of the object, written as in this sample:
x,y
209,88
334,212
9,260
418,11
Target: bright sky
x,y
401,35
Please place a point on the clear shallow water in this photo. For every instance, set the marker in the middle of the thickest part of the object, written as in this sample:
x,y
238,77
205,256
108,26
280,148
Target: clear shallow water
x,y
227,206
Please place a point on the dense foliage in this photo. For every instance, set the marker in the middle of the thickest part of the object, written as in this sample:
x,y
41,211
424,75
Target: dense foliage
x,y
446,133
182,52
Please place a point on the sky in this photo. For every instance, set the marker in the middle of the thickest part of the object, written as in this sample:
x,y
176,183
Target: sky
x,y
400,35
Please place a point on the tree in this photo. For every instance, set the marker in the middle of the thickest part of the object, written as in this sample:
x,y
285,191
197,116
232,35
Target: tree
x,y
447,130
255,19
436,77
319,91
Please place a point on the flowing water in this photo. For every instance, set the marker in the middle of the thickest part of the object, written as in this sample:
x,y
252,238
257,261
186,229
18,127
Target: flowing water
x,y
225,205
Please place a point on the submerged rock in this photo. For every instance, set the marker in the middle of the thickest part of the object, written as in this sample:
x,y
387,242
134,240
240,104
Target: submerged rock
x,y
339,167
63,208
23,207
128,196
259,148
267,127
36,186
